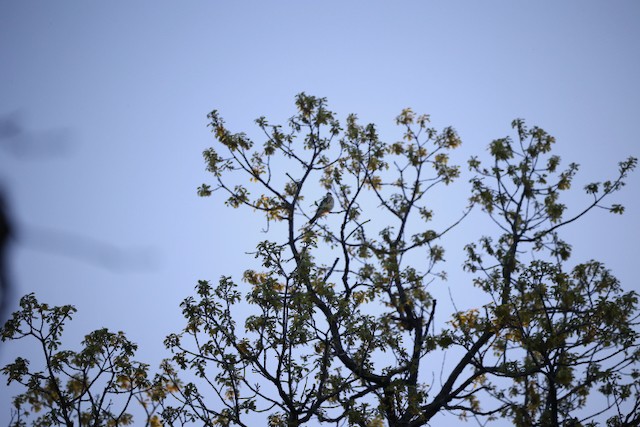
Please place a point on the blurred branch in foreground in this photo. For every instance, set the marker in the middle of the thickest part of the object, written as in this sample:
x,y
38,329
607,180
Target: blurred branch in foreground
x,y
87,249
21,142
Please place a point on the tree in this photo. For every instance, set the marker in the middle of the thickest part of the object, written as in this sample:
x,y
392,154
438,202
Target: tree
x,y
90,387
342,325
556,333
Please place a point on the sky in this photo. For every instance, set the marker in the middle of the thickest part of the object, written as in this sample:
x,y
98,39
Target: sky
x,y
103,121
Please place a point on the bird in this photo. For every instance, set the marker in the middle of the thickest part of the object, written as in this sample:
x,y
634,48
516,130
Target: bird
x,y
324,207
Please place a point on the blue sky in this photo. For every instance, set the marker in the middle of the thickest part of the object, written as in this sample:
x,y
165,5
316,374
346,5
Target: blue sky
x,y
111,99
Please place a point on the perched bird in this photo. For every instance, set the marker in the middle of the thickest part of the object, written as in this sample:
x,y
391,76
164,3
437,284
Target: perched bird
x,y
324,207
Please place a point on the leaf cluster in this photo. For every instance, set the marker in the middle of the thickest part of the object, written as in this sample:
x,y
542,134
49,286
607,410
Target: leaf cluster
x,y
92,387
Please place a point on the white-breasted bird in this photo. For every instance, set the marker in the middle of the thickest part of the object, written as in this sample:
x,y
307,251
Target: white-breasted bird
x,y
324,207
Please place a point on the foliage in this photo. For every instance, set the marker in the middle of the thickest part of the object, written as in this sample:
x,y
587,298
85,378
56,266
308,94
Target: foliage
x,y
556,333
90,387
342,316
336,323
